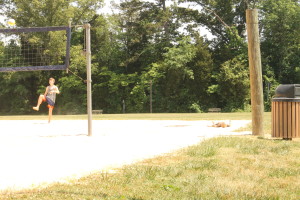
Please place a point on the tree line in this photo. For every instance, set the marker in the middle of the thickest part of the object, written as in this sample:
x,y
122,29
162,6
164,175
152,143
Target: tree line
x,y
153,42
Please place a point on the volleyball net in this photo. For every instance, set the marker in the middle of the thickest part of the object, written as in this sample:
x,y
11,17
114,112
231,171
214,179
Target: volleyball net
x,y
35,49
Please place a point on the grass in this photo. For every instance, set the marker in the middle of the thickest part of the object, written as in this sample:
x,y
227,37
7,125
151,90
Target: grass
x,y
219,168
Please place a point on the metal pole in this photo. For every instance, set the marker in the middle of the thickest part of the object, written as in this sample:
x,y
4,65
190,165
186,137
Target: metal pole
x,y
124,106
89,77
257,102
68,46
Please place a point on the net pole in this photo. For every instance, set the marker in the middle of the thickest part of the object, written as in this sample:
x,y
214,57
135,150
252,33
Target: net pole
x,y
68,46
89,77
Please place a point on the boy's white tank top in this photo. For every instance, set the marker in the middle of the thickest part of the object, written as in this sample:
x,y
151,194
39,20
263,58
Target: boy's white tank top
x,y
51,90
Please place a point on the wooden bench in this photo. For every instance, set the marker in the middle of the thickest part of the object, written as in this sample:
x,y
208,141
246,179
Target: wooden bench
x,y
97,112
214,110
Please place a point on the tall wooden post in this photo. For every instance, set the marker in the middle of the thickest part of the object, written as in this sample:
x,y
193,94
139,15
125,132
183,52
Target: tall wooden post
x,y
89,76
257,103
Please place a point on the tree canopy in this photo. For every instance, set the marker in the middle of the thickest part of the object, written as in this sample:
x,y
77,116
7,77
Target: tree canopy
x,y
153,41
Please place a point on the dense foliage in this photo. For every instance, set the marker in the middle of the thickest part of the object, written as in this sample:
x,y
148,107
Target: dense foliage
x,y
158,42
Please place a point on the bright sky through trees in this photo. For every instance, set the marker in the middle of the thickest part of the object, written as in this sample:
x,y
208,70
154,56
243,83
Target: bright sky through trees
x,y
109,8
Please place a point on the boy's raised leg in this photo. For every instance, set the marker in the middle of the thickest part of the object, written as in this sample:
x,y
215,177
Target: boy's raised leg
x,y
40,100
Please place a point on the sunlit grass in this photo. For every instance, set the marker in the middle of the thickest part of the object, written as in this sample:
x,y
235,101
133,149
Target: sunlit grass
x,y
219,168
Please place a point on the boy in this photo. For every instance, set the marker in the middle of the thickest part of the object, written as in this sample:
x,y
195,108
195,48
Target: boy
x,y
49,96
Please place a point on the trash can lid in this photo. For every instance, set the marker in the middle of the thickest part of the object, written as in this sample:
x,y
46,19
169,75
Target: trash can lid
x,y
282,99
288,91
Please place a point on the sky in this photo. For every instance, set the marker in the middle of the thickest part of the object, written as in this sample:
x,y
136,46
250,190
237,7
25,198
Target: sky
x,y
2,19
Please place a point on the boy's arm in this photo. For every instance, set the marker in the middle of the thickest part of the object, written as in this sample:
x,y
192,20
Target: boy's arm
x,y
57,91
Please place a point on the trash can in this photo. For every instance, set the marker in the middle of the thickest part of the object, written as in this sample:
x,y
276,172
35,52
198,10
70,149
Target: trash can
x,y
286,111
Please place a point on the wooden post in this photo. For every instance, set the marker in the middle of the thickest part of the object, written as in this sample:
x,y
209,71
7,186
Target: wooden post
x,y
257,103
89,77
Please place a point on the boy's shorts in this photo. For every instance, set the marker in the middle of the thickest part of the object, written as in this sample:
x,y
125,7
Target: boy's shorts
x,y
49,101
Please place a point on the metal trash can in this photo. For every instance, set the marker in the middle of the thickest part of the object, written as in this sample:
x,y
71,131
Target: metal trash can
x,y
286,111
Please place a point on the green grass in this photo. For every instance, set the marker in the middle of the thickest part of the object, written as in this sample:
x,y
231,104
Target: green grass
x,y
219,168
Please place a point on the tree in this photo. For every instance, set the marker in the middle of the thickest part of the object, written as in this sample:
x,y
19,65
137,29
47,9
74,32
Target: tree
x,y
280,38
233,86
203,69
143,33
170,75
144,42
226,21
39,14
137,39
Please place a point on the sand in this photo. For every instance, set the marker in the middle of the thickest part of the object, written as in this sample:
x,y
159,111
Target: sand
x,y
35,153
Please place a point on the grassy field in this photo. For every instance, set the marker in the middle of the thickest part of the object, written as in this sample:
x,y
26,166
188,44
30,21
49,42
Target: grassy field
x,y
219,168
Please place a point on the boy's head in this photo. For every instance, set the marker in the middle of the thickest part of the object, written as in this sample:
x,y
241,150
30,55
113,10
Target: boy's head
x,y
51,81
